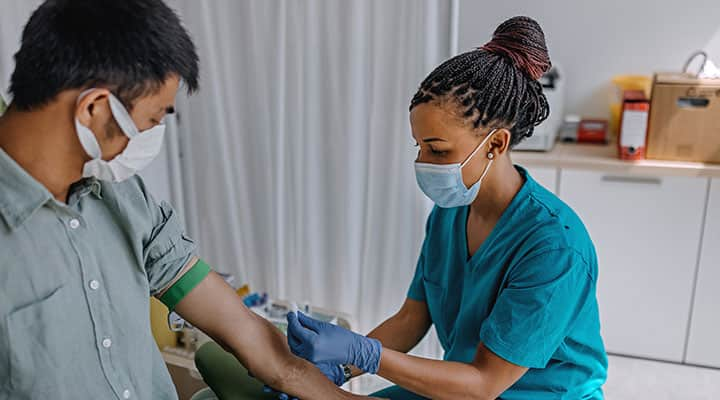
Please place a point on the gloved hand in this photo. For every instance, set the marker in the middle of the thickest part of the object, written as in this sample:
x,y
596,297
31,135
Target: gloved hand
x,y
334,372
323,343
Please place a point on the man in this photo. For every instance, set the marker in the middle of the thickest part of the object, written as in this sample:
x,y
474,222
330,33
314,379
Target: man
x,y
82,243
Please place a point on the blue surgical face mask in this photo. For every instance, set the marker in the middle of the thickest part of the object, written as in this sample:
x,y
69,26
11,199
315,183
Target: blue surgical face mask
x,y
443,183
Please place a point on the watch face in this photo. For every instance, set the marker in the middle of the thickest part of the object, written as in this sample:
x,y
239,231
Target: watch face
x,y
347,372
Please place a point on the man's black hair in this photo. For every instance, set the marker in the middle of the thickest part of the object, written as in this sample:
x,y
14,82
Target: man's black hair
x,y
128,46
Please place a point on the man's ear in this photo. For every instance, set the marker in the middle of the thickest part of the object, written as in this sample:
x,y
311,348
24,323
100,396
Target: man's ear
x,y
93,105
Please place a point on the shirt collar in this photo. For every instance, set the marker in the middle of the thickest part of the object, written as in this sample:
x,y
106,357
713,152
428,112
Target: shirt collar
x,y
86,186
20,194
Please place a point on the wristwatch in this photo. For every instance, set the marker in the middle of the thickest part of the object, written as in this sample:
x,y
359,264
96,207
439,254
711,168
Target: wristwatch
x,y
347,372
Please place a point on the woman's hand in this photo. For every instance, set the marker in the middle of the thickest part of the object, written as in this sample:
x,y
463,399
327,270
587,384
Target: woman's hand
x,y
334,372
326,344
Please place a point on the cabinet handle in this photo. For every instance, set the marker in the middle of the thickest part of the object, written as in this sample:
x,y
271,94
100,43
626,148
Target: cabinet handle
x,y
631,179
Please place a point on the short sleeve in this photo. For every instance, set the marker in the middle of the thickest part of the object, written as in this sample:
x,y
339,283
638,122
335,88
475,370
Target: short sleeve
x,y
417,287
168,248
535,312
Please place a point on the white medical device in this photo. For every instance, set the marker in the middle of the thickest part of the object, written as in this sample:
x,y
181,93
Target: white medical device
x,y
545,134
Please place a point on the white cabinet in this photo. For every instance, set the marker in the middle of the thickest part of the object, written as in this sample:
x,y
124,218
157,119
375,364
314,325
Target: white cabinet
x,y
546,176
704,339
646,231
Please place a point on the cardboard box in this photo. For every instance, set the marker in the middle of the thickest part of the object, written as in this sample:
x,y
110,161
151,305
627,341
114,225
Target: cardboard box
x,y
684,119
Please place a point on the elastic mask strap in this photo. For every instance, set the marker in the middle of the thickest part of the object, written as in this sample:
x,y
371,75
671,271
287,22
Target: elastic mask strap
x,y
83,94
477,149
119,112
122,117
85,135
487,169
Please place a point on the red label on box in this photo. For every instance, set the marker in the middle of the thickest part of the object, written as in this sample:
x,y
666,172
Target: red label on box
x,y
633,129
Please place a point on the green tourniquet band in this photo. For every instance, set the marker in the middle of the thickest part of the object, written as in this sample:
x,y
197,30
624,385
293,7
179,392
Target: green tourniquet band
x,y
185,284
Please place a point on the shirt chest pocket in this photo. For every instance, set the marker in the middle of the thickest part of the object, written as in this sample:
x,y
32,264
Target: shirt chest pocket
x,y
35,345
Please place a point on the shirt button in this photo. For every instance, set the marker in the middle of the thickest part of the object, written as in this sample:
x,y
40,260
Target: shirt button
x,y
126,394
74,223
107,343
94,285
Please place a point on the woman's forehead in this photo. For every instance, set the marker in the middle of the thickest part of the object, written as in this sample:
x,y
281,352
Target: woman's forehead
x,y
436,120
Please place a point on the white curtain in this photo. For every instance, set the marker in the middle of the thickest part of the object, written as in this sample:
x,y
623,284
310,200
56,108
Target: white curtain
x,y
297,152
13,16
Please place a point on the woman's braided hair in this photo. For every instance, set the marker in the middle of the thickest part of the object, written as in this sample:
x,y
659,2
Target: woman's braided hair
x,y
496,85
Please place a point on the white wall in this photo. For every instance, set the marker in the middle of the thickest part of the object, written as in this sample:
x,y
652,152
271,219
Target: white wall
x,y
595,40
13,16
157,176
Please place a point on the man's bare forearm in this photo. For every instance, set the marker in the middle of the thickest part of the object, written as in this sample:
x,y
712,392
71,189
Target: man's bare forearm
x,y
281,370
215,309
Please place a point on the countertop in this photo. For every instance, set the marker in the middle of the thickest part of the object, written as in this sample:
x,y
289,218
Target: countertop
x,y
604,158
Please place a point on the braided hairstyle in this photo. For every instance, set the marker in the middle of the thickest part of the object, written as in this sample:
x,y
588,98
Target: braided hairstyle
x,y
496,85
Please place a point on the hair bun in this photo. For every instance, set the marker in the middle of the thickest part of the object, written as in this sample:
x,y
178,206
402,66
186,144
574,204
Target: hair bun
x,y
521,39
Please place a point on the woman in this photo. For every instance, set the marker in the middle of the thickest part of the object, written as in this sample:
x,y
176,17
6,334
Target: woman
x,y
507,272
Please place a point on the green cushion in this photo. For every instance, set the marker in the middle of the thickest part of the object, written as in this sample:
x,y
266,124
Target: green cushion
x,y
226,376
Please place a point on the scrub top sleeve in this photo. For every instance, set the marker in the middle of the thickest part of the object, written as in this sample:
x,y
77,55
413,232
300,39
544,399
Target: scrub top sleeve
x,y
534,313
168,248
417,287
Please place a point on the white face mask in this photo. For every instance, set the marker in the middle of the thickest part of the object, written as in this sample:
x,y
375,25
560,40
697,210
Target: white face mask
x,y
142,148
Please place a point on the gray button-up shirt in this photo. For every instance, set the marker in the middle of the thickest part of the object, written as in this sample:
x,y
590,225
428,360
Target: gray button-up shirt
x,y
75,282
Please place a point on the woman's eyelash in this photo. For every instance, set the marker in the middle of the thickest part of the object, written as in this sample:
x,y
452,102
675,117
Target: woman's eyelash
x,y
433,151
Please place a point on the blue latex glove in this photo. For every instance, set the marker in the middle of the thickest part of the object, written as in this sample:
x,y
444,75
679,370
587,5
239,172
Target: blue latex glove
x,y
333,372
323,343
281,396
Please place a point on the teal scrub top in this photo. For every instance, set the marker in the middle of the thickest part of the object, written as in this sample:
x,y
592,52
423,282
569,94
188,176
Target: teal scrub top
x,y
528,294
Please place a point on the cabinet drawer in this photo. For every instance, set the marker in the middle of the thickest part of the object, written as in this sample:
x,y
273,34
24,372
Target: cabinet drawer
x,y
647,232
704,340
